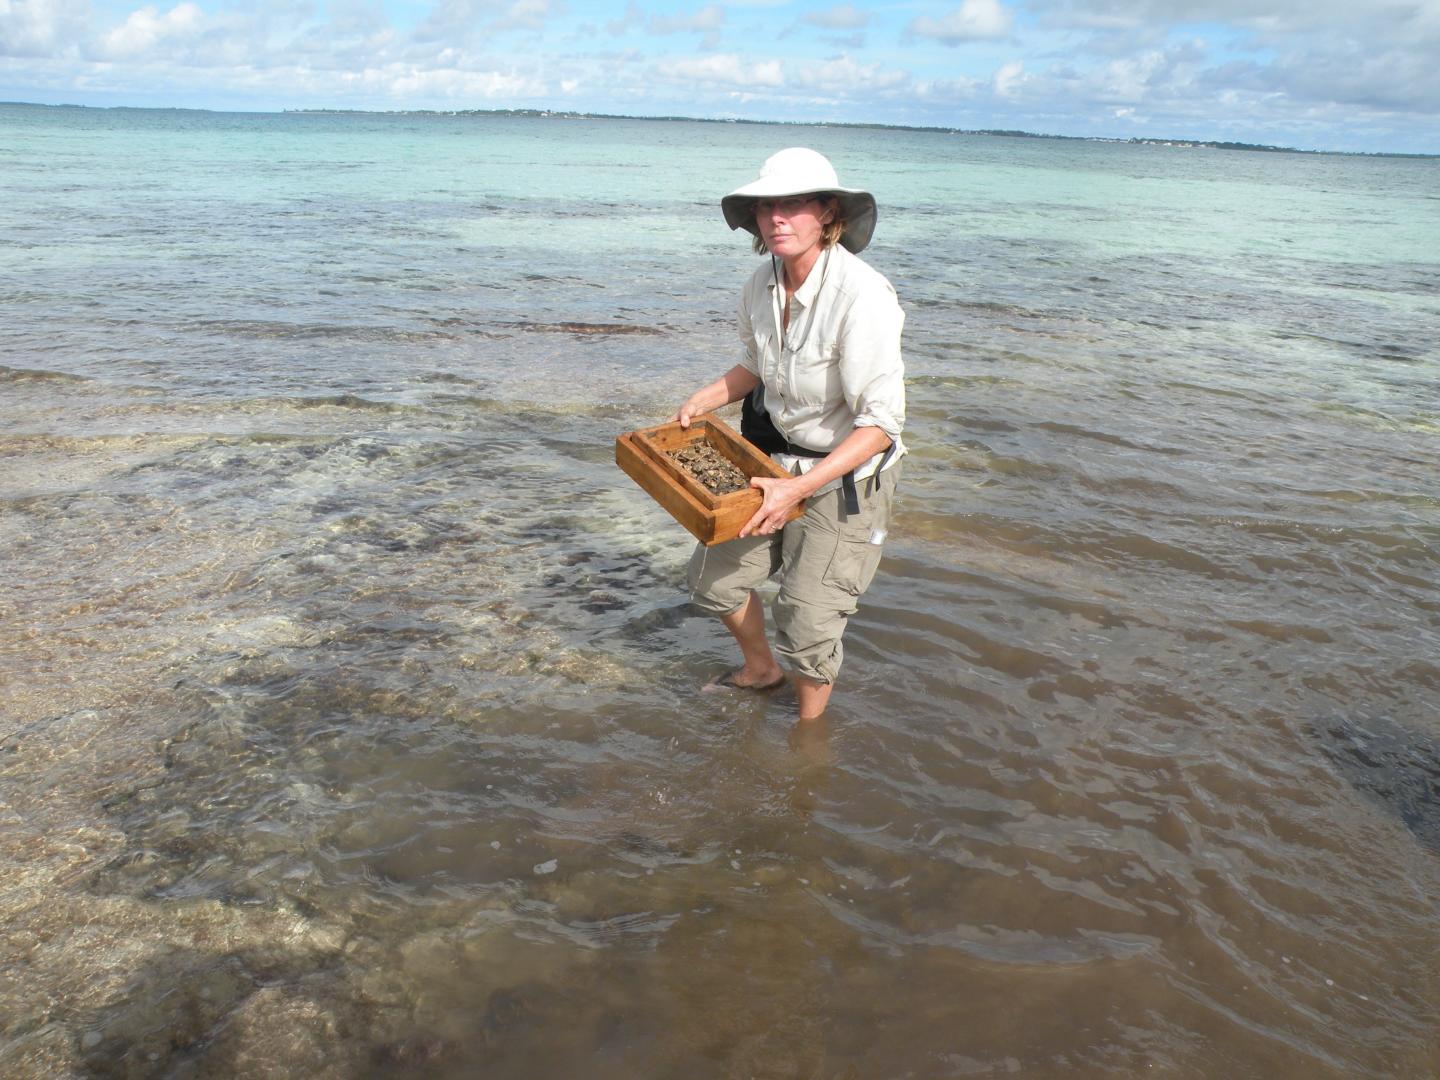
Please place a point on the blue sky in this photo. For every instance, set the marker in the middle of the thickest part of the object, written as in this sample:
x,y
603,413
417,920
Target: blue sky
x,y
1324,74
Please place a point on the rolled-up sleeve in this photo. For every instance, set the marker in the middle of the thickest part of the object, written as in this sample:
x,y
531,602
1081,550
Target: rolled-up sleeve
x,y
872,372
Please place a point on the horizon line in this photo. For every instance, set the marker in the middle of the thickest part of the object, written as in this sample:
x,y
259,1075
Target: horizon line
x,y
565,114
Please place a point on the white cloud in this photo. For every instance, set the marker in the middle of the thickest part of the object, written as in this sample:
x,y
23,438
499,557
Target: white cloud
x,y
973,20
40,27
456,85
842,17
146,29
1129,79
1284,16
943,91
528,15
724,69
1320,27
1388,79
1008,79
708,22
843,78
825,89
453,22
711,17
632,18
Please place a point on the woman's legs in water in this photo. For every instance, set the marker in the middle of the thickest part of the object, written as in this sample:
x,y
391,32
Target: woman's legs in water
x,y
747,625
828,560
813,697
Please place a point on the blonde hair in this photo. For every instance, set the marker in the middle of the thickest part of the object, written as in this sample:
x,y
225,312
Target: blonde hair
x,y
830,232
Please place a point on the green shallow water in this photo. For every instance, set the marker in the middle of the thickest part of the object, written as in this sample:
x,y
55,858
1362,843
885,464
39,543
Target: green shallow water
x,y
349,708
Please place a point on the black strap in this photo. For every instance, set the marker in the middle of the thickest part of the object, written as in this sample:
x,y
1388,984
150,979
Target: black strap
x,y
756,427
759,430
852,497
847,482
875,476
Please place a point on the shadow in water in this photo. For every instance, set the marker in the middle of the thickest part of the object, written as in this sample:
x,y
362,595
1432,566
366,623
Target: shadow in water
x,y
1395,765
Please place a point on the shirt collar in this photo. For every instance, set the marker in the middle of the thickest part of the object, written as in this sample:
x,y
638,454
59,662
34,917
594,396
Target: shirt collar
x,y
805,295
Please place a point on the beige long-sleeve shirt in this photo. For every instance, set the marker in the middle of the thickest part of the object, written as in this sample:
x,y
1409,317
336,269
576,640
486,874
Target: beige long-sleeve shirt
x,y
838,365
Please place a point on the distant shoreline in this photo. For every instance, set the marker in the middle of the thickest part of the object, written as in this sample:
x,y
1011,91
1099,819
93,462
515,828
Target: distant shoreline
x,y
562,114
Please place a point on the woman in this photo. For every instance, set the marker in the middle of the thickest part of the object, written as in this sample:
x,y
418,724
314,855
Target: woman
x,y
821,337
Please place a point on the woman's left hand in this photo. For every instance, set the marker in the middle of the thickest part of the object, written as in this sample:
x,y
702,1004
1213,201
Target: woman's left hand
x,y
781,496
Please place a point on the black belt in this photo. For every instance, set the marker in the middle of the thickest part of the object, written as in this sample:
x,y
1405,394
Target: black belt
x,y
847,482
756,426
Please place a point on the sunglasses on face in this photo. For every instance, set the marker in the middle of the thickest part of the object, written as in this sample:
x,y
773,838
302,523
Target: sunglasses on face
x,y
794,204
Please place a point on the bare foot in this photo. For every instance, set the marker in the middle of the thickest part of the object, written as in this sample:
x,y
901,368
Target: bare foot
x,y
744,679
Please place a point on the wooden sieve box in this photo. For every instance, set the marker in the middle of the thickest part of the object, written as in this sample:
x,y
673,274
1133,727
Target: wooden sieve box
x,y
711,518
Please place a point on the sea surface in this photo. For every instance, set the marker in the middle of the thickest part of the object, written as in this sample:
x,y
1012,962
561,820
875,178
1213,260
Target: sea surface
x,y
351,719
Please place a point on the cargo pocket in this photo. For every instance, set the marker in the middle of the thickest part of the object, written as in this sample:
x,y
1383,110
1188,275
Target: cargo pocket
x,y
852,566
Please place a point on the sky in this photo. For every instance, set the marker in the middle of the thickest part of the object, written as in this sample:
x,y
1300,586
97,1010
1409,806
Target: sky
x,y
1354,75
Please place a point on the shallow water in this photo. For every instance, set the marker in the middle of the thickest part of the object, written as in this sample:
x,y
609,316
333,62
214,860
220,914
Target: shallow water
x,y
350,712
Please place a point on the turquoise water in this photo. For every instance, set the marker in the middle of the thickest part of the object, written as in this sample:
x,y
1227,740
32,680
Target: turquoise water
x,y
349,696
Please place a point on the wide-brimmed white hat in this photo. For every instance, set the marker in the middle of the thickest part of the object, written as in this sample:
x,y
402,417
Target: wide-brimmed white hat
x,y
798,171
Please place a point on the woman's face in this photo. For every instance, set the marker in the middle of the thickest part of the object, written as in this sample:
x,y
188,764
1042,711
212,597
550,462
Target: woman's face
x,y
791,226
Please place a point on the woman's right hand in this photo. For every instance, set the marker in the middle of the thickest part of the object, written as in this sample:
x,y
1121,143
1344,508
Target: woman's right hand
x,y
732,386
